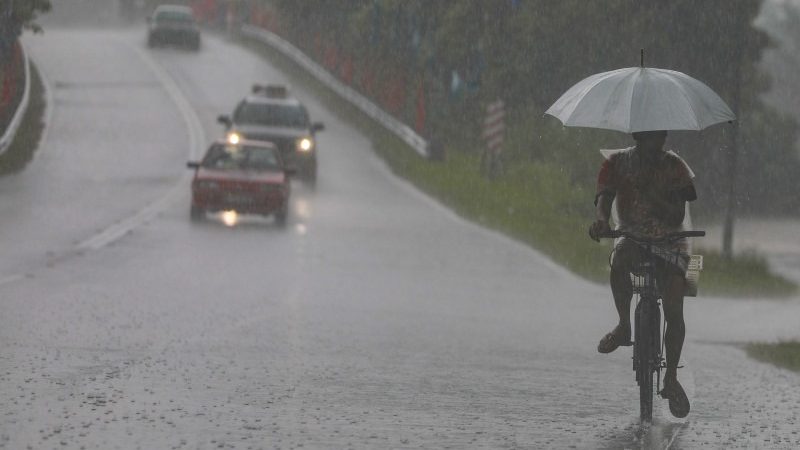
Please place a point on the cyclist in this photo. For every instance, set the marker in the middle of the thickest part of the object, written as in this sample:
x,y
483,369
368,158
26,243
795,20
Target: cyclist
x,y
651,187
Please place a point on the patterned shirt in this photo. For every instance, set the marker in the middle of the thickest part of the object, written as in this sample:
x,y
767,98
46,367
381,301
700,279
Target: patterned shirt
x,y
639,184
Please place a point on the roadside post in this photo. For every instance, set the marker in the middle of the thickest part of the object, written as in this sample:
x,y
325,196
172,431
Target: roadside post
x,y
493,135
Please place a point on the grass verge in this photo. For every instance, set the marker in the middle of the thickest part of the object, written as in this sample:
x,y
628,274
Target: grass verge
x,y
533,202
26,141
747,275
782,354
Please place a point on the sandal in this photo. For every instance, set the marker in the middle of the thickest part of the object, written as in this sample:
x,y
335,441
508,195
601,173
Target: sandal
x,y
678,402
614,339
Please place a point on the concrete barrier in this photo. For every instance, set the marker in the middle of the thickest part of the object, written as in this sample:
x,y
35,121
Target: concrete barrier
x,y
22,108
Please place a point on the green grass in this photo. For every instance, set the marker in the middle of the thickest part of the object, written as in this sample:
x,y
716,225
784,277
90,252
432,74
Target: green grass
x,y
783,354
26,141
747,275
535,203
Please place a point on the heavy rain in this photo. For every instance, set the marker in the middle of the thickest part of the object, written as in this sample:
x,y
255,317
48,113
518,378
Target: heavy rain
x,y
275,224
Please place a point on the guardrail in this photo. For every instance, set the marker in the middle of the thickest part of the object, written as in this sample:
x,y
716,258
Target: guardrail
x,y
13,126
403,131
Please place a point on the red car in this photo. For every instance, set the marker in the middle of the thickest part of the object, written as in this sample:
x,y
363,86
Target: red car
x,y
248,177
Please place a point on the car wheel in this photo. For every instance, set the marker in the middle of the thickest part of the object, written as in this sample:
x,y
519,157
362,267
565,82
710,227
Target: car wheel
x,y
151,41
197,214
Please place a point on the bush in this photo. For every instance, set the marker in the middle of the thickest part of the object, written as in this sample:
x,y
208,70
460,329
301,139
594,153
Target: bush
x,y
782,354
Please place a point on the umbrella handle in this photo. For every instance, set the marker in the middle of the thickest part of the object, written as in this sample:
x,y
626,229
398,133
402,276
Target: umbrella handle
x,y
642,58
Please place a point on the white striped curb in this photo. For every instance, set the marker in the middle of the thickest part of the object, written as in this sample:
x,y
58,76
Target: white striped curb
x,y
369,108
16,121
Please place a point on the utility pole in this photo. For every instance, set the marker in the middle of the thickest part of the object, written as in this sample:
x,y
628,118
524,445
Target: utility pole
x,y
733,152
730,207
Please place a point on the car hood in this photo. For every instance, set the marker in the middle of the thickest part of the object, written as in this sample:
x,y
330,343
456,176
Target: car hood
x,y
249,176
278,132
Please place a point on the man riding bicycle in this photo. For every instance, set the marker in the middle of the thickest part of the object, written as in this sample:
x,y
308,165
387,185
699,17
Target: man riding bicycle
x,y
651,187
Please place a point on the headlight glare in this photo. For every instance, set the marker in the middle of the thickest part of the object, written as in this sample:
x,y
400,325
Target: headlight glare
x,y
305,144
234,138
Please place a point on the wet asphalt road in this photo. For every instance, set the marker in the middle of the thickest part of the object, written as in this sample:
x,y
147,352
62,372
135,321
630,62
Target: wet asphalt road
x,y
377,319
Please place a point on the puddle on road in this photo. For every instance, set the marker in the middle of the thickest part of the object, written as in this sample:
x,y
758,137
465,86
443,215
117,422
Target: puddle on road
x,y
660,434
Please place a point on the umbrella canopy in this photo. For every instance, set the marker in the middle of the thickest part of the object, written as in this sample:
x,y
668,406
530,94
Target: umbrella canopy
x,y
641,99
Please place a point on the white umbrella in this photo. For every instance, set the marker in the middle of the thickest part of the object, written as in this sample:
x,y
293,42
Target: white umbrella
x,y
641,99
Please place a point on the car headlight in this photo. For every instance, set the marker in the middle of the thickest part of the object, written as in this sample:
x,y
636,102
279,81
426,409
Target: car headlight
x,y
305,144
233,138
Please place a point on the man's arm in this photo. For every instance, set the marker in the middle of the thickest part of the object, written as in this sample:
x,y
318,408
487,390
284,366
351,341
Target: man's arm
x,y
602,216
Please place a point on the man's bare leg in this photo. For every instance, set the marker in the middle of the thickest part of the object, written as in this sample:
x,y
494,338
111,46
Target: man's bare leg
x,y
676,327
673,341
622,290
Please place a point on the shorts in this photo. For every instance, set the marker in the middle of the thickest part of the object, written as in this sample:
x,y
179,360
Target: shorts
x,y
669,259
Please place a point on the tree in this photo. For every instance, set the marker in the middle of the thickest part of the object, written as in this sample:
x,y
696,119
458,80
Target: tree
x,y
529,52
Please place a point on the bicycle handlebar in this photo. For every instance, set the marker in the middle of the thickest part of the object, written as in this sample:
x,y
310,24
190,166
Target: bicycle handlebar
x,y
645,239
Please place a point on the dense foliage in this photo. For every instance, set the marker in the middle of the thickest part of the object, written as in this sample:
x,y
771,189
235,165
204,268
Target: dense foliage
x,y
783,354
527,52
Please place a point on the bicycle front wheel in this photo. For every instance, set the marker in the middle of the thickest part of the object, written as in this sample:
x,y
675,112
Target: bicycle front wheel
x,y
643,349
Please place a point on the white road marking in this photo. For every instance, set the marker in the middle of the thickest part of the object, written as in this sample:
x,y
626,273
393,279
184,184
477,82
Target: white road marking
x,y
196,140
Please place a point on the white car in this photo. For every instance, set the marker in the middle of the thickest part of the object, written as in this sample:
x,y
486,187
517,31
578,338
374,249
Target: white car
x,y
173,24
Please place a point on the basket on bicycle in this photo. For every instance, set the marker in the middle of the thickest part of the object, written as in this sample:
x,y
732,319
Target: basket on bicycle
x,y
694,266
693,275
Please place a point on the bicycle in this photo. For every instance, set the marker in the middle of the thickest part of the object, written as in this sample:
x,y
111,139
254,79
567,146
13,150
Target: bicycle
x,y
648,350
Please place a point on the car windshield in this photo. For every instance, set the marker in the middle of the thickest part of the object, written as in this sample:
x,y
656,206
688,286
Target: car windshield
x,y
271,114
234,157
174,16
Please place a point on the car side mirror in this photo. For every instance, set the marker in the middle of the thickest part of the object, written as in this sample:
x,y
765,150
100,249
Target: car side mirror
x,y
225,120
317,126
193,165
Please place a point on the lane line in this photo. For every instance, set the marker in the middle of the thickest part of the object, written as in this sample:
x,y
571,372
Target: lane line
x,y
196,139
197,135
